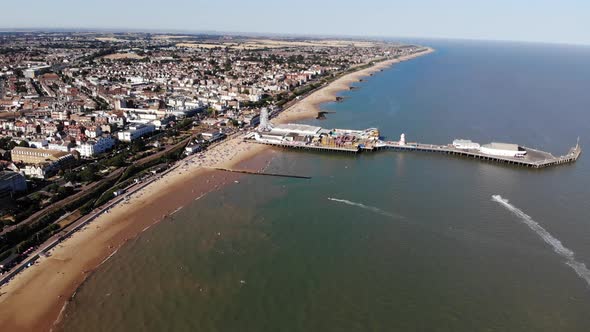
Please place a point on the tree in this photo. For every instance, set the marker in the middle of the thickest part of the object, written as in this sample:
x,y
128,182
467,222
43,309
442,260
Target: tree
x,y
64,191
4,142
88,174
117,161
71,176
137,145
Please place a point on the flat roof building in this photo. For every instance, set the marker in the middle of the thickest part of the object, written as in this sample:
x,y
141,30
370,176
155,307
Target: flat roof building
x,y
35,156
465,144
295,128
503,149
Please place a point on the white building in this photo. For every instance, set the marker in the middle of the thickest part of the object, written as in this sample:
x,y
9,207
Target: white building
x,y
293,128
94,147
503,150
42,144
465,144
93,131
59,146
33,171
135,131
192,148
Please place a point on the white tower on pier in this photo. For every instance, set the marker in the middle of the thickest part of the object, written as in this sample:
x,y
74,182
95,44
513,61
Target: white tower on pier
x,y
264,123
402,139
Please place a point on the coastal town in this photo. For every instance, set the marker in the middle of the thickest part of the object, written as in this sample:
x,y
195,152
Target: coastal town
x,y
87,119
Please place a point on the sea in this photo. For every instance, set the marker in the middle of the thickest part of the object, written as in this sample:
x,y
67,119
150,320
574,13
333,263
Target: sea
x,y
385,241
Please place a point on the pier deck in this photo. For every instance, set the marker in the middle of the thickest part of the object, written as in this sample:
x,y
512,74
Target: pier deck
x,y
533,158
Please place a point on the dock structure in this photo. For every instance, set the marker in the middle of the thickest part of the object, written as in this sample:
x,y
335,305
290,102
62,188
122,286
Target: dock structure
x,y
301,137
302,146
533,158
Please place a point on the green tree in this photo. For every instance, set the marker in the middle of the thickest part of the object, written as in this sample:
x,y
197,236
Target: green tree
x,y
88,174
137,145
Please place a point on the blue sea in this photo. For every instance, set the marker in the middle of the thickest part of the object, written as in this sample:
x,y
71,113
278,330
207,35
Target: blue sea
x,y
386,241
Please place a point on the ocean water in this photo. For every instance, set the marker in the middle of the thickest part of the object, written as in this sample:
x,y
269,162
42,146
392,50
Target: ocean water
x,y
388,241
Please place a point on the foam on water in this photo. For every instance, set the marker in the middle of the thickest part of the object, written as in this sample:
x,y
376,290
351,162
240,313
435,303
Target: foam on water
x,y
366,207
580,268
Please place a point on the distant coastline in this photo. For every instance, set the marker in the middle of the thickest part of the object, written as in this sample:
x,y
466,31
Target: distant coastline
x,y
34,299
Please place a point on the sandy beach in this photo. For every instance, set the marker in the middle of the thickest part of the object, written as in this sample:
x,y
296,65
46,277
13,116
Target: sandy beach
x,y
32,301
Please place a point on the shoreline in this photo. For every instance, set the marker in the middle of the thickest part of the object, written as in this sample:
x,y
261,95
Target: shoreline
x,y
36,298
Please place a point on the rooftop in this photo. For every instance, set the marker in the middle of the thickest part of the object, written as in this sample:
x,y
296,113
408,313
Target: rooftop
x,y
297,128
502,146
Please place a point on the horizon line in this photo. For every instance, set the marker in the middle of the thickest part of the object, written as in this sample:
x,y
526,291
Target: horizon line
x,y
270,34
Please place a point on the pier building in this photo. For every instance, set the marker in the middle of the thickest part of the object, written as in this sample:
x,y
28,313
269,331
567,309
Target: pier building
x,y
503,149
465,144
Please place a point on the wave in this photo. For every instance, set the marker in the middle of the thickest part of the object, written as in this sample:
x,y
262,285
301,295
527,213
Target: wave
x,y
366,207
178,209
579,267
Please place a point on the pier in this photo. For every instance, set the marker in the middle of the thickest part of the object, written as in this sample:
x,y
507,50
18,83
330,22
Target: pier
x,y
533,158
313,138
304,137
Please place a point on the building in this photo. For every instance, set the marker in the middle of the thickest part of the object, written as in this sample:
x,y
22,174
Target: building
x,y
35,71
94,147
93,131
36,171
465,144
60,146
503,150
192,148
36,156
47,169
293,128
11,182
135,131
213,136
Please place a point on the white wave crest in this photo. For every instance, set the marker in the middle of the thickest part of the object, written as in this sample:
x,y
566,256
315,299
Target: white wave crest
x,y
366,207
580,268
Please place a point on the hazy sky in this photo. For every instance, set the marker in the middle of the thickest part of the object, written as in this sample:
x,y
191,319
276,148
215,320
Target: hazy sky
x,y
560,21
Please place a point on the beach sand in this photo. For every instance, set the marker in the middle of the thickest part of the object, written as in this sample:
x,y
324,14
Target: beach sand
x,y
33,300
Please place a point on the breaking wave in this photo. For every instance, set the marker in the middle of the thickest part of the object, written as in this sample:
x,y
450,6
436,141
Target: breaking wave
x,y
580,268
366,207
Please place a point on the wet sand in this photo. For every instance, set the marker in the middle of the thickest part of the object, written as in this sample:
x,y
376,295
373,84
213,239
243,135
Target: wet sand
x,y
33,300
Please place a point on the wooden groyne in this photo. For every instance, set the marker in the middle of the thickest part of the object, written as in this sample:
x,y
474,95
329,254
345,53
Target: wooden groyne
x,y
261,173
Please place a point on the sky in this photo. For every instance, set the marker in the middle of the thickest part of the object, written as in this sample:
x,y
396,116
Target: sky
x,y
550,21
